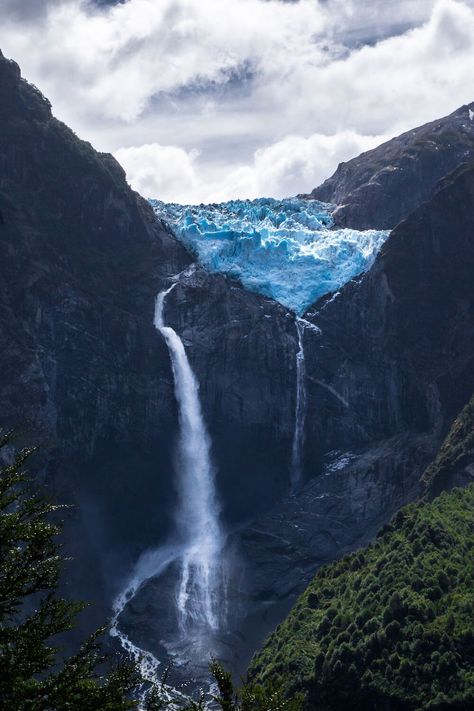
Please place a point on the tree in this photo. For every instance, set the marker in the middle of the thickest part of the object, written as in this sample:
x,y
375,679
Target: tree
x,y
33,676
250,697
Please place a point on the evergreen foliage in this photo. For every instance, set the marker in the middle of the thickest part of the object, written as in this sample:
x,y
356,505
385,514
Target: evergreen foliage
x,y
390,626
251,696
226,697
33,674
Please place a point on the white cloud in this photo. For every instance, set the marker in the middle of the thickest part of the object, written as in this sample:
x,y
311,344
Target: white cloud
x,y
270,94
160,171
278,170
122,57
294,163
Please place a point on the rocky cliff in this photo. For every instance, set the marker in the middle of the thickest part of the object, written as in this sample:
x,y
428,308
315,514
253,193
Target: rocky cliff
x,y
85,373
381,187
389,372
454,463
88,375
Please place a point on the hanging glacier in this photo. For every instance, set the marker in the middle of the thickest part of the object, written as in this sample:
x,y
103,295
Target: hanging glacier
x,y
286,249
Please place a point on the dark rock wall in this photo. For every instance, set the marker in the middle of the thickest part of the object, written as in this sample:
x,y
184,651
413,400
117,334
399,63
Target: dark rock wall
x,y
397,345
85,373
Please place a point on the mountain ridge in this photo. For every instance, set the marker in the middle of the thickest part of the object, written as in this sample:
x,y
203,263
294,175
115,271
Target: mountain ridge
x,y
380,187
84,259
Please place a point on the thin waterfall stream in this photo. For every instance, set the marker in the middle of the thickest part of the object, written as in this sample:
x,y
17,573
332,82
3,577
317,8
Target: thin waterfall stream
x,y
198,538
300,411
297,450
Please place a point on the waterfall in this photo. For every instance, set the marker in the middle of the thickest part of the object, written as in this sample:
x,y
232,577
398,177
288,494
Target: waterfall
x,y
197,543
198,539
300,410
197,517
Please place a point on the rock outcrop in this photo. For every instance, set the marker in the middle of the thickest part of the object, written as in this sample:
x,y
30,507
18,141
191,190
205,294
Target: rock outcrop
x,y
380,188
454,463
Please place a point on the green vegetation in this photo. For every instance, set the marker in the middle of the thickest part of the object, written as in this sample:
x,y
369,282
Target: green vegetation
x,y
33,674
250,697
390,626
457,451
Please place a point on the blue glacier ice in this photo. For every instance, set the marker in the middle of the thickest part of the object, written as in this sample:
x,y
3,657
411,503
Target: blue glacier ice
x,y
286,249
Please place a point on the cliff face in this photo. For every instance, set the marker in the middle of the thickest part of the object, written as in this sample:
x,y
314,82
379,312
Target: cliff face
x,y
454,463
385,379
84,371
397,344
381,187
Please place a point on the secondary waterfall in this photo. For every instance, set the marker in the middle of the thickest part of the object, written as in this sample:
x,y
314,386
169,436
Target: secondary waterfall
x,y
300,410
197,542
198,513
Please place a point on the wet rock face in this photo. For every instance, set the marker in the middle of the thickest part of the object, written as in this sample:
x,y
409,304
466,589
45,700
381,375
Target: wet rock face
x,y
381,187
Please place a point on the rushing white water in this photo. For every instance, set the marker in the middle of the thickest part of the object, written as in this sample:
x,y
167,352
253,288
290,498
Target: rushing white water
x,y
150,564
196,553
300,411
197,518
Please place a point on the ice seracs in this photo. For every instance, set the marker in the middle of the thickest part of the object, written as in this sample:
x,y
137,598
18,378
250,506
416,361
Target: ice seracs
x,y
285,249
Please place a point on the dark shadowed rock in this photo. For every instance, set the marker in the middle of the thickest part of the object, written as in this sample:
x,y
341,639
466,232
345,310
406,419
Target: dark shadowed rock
x,y
84,371
454,463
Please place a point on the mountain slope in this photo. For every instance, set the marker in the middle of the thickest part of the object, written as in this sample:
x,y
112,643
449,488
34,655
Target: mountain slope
x,y
453,465
390,626
385,378
381,187
84,371
83,259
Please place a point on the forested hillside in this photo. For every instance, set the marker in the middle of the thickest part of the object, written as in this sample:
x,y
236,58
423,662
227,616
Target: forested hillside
x,y
391,626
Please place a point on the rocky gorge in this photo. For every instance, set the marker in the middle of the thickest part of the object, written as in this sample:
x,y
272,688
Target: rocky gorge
x,y
388,363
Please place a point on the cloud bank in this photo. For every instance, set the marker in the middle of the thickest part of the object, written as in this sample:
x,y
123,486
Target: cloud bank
x,y
203,100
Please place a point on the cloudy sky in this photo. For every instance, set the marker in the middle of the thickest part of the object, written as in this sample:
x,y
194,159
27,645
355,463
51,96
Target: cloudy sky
x,y
206,100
